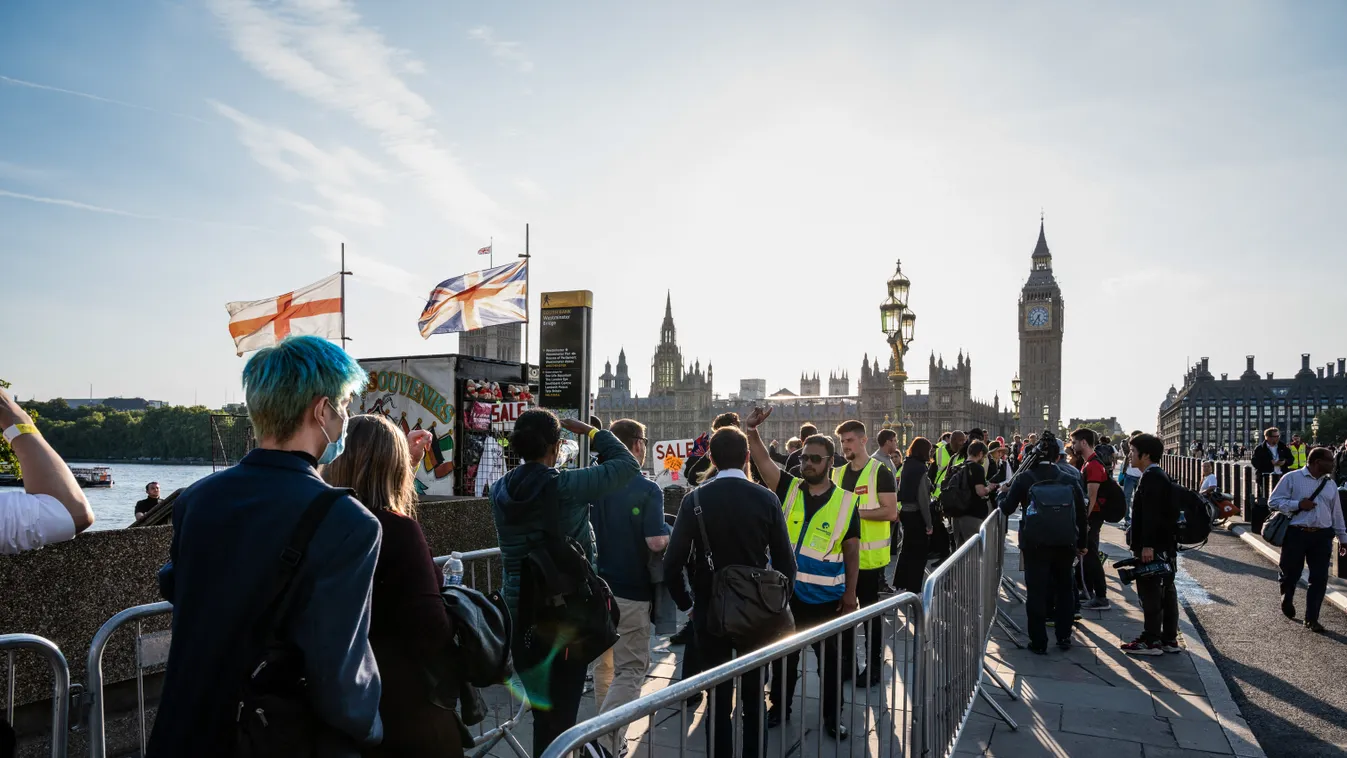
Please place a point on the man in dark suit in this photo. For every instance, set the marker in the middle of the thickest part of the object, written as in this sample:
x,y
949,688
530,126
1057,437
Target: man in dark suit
x,y
230,531
1270,459
746,527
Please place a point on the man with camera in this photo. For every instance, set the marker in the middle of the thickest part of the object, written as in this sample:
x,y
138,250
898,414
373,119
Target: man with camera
x,y
1155,547
1052,534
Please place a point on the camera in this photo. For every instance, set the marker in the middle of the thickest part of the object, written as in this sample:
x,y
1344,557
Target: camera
x,y
1131,569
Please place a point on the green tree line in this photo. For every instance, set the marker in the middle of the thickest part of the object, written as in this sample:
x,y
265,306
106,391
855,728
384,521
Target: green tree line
x,y
96,432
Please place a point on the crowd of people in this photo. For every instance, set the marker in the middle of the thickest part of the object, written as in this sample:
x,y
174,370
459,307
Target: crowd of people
x,y
307,606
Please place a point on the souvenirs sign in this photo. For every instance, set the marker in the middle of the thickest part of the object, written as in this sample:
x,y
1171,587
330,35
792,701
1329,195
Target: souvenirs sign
x,y
416,394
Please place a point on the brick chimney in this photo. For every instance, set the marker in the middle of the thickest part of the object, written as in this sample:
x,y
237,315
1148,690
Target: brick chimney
x,y
1342,366
1269,376
1321,372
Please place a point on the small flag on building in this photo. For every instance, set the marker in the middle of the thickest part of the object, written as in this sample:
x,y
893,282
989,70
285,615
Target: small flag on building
x,y
485,251
315,310
482,298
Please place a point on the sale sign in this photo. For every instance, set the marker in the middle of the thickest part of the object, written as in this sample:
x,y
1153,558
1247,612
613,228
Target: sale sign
x,y
506,414
669,457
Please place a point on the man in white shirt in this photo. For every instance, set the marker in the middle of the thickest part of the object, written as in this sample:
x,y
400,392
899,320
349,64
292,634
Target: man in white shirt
x,y
1310,498
52,508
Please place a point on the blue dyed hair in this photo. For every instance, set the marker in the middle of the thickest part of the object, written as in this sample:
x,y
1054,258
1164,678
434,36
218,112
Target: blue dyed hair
x,y
280,382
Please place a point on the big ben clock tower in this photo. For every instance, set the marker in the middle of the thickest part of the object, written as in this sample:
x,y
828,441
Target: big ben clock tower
x,y
1042,317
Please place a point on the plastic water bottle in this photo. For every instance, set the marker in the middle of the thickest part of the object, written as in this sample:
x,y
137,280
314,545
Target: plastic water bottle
x,y
453,571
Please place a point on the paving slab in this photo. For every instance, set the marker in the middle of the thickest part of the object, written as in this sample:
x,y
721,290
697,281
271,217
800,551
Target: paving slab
x,y
1130,727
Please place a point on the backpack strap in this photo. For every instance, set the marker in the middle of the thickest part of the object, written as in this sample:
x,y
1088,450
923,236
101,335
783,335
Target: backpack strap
x,y
280,593
701,525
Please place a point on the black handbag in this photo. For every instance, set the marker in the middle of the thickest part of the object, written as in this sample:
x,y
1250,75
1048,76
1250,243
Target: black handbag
x,y
273,714
749,605
1277,524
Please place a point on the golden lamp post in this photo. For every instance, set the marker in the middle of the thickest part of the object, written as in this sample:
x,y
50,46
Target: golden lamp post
x,y
898,323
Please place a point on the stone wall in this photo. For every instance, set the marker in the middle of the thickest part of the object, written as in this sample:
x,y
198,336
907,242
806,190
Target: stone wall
x,y
66,592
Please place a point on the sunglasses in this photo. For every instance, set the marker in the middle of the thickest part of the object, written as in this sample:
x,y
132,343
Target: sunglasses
x,y
811,458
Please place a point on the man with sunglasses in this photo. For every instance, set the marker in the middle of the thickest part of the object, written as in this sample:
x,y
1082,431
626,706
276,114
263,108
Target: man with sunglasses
x,y
825,529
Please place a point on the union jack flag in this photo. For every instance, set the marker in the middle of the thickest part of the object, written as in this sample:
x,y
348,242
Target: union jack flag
x,y
482,298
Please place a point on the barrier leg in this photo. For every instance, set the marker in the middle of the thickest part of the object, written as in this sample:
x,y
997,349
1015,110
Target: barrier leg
x,y
999,681
1010,722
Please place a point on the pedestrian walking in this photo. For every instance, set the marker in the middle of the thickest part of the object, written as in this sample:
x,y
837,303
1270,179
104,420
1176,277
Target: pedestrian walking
x,y
822,523
1308,496
1094,474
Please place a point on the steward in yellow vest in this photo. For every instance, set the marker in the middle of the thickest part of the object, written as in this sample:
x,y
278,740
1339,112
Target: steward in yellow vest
x,y
1300,452
946,458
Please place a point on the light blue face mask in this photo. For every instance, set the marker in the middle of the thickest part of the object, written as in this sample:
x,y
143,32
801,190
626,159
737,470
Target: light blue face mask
x,y
334,447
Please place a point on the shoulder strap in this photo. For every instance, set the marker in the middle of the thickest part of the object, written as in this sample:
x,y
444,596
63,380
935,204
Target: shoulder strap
x,y
281,591
701,525
1320,488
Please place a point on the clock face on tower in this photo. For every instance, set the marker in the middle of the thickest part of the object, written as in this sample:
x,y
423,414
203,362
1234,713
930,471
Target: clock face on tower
x,y
1038,317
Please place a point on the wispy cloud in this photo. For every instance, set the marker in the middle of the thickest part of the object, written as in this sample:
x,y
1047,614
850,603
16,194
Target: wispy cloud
x,y
332,175
369,268
530,188
62,202
322,51
98,98
510,53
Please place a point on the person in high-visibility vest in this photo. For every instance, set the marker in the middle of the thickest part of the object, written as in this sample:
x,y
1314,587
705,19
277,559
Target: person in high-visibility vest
x,y
823,525
876,494
948,457
1300,452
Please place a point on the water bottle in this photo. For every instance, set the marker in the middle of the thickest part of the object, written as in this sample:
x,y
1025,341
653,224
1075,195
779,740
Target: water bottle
x,y
453,571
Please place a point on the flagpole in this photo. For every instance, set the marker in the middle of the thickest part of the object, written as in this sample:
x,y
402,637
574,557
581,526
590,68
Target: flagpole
x,y
344,274
527,296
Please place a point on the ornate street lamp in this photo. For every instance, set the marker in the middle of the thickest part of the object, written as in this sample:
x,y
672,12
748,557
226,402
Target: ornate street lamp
x,y
1314,429
899,324
1015,398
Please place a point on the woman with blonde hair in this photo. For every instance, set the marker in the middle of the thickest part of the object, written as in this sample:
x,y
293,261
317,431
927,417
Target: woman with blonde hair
x,y
408,623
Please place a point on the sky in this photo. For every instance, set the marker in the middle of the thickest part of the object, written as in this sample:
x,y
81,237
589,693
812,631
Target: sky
x,y
764,164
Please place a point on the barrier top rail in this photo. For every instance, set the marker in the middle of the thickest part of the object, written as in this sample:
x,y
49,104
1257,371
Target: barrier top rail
x,y
97,736
675,694
471,555
60,674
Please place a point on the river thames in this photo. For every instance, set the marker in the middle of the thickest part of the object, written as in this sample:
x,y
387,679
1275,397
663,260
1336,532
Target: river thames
x,y
115,506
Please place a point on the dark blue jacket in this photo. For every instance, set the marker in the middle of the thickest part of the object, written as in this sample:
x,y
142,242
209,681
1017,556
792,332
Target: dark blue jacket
x,y
228,533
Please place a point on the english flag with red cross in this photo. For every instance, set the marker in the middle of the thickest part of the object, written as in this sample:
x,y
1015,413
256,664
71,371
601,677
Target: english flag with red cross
x,y
314,310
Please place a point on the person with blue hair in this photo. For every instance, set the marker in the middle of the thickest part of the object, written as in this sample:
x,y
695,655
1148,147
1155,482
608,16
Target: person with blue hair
x,y
269,632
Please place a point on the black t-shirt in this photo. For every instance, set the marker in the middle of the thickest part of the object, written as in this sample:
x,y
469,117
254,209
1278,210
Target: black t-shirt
x,y
884,481
813,502
146,505
977,475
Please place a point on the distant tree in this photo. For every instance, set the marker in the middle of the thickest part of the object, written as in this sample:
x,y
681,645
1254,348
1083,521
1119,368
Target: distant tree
x,y
1333,426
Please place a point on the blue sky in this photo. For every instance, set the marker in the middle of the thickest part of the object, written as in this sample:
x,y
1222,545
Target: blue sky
x,y
764,162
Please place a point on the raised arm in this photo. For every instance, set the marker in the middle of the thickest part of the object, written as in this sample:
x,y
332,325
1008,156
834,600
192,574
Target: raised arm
x,y
44,473
616,467
771,473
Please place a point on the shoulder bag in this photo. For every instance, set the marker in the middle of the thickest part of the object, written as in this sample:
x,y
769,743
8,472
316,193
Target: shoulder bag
x,y
749,605
1276,525
273,716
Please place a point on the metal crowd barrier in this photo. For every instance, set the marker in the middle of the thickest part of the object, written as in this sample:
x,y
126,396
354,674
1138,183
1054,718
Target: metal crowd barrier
x,y
960,598
60,691
505,707
897,719
151,652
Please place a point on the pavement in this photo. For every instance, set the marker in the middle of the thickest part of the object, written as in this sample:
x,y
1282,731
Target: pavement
x,y
1095,700
1288,682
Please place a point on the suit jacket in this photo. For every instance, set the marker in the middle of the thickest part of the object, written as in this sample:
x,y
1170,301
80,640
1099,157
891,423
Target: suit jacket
x,y
1262,458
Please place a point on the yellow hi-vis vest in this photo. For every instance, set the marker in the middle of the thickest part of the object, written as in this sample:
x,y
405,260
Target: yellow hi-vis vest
x,y
949,463
874,534
821,574
1299,455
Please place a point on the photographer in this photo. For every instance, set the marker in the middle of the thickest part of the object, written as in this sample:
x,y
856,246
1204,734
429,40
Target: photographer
x,y
1052,534
1153,539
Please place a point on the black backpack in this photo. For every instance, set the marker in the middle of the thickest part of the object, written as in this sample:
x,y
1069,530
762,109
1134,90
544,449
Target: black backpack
x,y
565,608
956,494
1112,501
1049,518
1105,454
1193,516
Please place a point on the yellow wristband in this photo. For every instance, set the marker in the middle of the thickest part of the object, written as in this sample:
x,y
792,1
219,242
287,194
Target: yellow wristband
x,y
593,432
18,430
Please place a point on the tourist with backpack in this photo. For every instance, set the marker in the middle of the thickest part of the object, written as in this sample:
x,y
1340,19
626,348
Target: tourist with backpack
x,y
1154,538
964,498
564,615
1052,535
